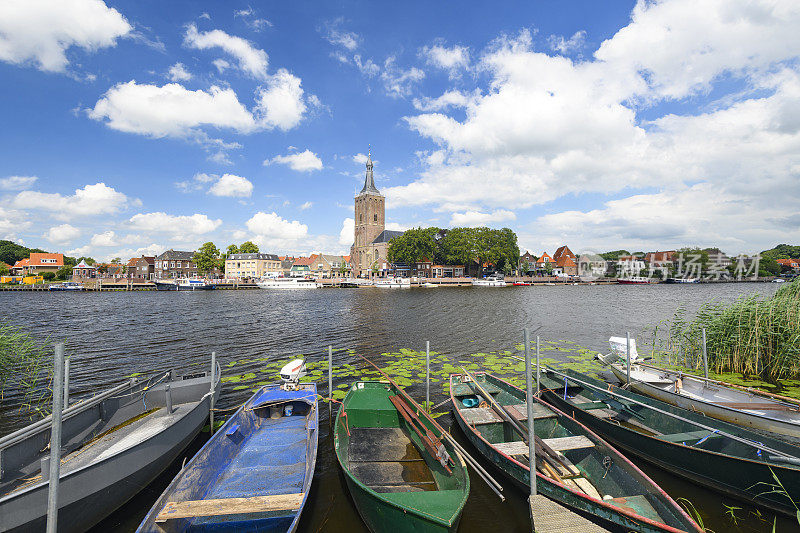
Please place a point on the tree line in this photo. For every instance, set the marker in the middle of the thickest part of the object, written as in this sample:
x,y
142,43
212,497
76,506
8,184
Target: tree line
x,y
457,246
208,257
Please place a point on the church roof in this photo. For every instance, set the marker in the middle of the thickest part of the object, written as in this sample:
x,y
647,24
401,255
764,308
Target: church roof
x,y
386,236
369,180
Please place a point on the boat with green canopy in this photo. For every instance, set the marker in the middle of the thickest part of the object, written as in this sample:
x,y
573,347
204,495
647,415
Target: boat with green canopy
x,y
574,467
720,455
400,469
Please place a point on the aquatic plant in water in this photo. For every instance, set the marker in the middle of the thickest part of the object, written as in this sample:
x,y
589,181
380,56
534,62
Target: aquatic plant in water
x,y
25,366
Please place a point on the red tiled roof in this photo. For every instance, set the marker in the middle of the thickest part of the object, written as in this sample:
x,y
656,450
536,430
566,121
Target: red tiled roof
x,y
21,263
565,261
36,259
789,262
542,258
304,261
132,261
563,250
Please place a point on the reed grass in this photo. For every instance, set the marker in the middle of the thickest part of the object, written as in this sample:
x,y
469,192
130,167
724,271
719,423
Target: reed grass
x,y
26,366
752,336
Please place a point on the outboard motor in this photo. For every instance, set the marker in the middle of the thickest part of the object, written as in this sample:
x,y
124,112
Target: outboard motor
x,y
292,372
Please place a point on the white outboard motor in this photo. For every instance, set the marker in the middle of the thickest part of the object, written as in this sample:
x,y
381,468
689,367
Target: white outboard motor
x,y
292,372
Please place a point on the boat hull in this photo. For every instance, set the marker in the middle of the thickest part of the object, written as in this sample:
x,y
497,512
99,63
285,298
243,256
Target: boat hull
x,y
166,286
90,494
771,426
741,478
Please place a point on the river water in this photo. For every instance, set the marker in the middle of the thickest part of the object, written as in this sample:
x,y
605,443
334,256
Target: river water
x,y
112,335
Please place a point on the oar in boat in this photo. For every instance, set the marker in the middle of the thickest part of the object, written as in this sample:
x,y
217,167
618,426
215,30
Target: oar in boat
x,y
551,460
493,484
433,444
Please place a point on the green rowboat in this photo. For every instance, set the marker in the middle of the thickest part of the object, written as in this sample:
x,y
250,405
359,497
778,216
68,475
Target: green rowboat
x,y
402,475
679,440
583,472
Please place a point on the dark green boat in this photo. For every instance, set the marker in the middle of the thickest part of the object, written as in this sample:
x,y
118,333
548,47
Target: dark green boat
x,y
671,438
400,473
594,478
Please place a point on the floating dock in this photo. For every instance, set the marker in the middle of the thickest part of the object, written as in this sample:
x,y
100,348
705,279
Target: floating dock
x,y
551,517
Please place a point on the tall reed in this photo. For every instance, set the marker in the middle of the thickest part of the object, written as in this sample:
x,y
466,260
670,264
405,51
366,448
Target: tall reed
x,y
25,369
751,336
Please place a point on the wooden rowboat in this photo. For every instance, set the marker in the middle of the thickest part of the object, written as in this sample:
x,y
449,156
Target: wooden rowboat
x,y
747,408
253,475
401,474
576,467
113,445
719,455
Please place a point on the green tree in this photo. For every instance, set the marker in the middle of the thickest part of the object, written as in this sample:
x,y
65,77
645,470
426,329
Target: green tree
x,y
413,246
64,272
102,268
769,267
116,261
89,261
11,252
207,258
48,276
343,268
524,267
248,248
458,246
4,271
613,256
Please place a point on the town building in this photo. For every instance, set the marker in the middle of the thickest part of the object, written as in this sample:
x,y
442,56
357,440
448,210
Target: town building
x,y
564,251
527,257
142,268
660,260
543,260
330,266
566,265
37,264
789,264
255,265
447,271
591,266
370,237
301,266
83,271
174,264
19,267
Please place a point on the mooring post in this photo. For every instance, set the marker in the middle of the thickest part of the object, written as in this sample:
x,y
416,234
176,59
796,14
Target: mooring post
x,y
428,375
628,354
538,368
330,373
55,439
213,390
168,395
66,382
529,401
705,356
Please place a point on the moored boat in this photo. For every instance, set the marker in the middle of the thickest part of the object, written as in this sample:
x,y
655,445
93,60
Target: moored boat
x,y
393,283
66,286
113,445
489,281
288,283
721,456
402,474
635,280
253,475
580,470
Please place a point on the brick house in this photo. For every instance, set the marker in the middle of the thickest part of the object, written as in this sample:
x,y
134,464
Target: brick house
x,y
543,260
174,264
660,259
564,251
566,264
39,263
142,268
301,266
329,266
786,264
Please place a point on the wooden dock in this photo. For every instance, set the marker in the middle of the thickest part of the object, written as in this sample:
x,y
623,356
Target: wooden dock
x,y
551,517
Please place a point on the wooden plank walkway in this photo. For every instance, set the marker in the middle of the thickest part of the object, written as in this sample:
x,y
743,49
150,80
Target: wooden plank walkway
x,y
551,517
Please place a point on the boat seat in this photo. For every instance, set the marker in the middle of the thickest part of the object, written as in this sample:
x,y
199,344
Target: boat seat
x,y
466,389
585,406
486,415
690,435
575,442
512,448
230,506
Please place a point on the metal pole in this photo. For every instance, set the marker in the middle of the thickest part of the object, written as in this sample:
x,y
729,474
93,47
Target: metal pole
x,y
55,439
213,387
529,400
168,395
705,356
66,382
628,355
538,368
428,375
330,373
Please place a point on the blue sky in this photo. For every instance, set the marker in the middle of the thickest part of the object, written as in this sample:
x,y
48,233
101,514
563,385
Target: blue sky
x,y
132,127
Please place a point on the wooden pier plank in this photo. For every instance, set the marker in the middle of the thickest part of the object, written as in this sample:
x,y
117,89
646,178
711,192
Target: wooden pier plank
x,y
552,517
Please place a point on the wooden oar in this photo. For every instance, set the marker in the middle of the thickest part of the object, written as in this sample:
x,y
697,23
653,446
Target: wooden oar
x,y
432,444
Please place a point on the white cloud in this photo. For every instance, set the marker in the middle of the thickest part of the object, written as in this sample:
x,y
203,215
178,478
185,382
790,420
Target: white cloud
x,y
450,99
17,183
397,81
178,225
476,218
281,104
171,110
565,46
97,199
306,205
62,234
367,67
197,182
452,59
306,161
271,230
346,39
107,238
221,65
347,232
248,15
178,72
251,60
232,186
41,31
396,226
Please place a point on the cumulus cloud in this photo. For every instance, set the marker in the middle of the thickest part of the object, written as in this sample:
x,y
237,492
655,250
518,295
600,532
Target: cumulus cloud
x,y
17,183
179,226
251,60
398,82
566,46
306,205
281,104
41,31
178,72
232,186
97,199
306,161
452,59
347,233
272,230
476,218
62,234
450,99
107,238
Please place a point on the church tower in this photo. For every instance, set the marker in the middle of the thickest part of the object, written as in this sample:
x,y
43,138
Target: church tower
x,y
370,221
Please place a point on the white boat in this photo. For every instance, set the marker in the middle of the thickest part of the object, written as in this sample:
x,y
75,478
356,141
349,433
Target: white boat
x,y
194,284
66,286
489,281
635,280
288,283
429,285
750,408
393,283
354,283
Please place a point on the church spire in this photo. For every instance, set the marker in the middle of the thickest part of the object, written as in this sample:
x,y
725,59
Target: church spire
x,y
369,180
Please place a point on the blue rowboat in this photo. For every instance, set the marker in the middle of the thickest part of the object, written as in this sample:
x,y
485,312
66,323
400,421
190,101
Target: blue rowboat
x,y
253,475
